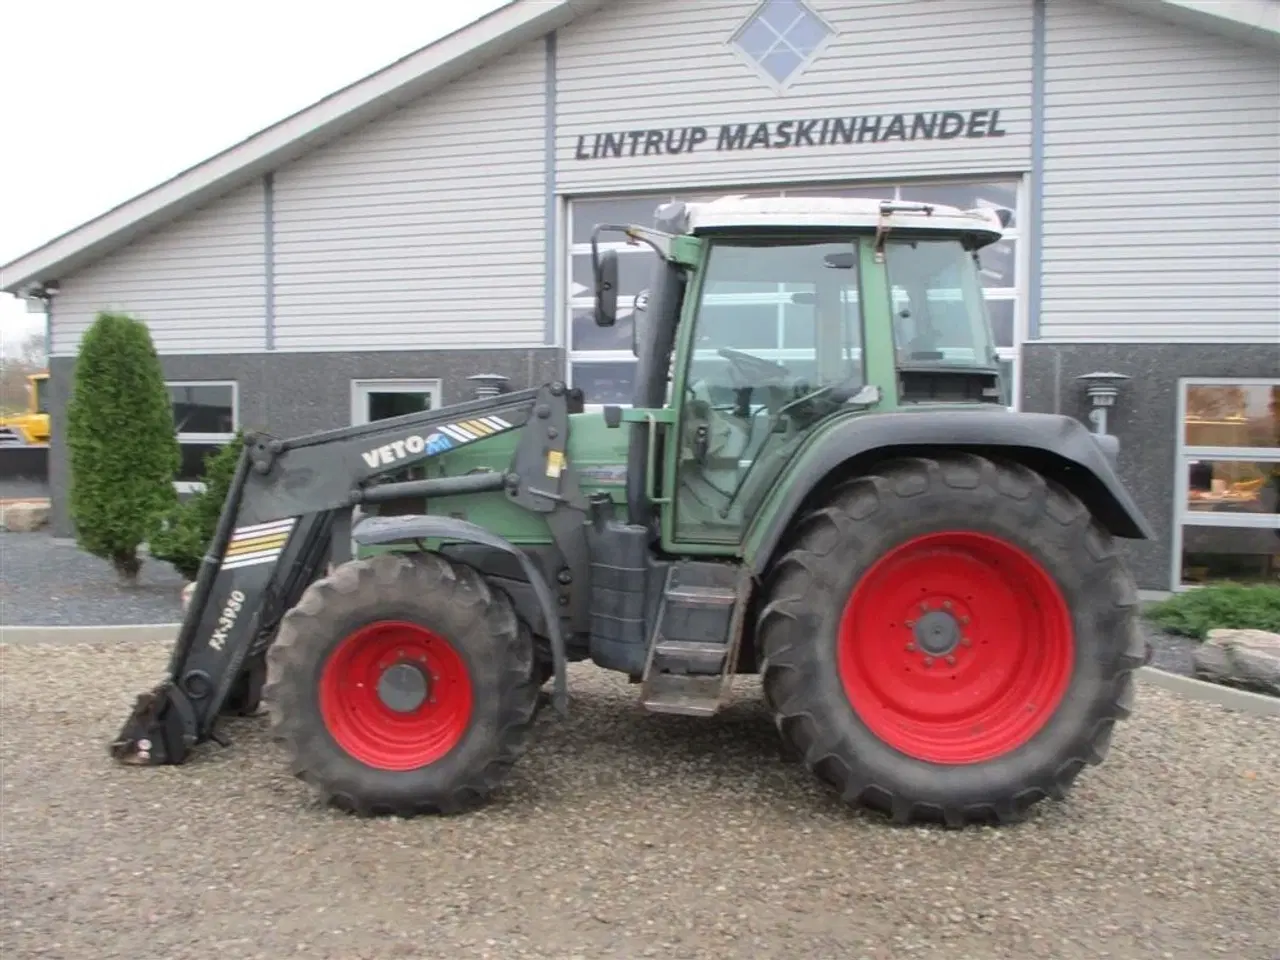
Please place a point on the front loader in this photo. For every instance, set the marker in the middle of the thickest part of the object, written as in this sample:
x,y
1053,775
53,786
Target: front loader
x,y
819,481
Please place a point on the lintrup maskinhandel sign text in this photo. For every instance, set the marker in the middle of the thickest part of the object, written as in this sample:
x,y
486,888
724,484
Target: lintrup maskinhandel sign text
x,y
824,132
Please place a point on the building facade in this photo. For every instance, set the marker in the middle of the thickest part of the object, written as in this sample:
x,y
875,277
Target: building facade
x,y
431,222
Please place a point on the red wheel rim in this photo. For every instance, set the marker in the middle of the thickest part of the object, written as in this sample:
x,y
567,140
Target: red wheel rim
x,y
369,687
955,648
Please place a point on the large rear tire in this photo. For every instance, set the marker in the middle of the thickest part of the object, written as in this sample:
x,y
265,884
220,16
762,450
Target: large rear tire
x,y
402,684
949,640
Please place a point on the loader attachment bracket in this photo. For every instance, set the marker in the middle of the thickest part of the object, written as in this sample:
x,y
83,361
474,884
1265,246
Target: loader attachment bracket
x,y
397,529
162,728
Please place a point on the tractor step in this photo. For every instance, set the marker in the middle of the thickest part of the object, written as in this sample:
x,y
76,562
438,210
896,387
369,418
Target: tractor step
x,y
702,596
690,696
709,656
693,650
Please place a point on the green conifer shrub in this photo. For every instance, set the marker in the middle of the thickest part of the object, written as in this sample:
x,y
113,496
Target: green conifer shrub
x,y
189,526
122,450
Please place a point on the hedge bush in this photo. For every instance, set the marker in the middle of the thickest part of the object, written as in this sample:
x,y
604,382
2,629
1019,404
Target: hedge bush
x,y
122,449
1233,606
189,526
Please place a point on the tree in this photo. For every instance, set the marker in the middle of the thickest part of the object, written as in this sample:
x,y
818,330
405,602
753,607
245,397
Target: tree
x,y
17,362
189,526
123,448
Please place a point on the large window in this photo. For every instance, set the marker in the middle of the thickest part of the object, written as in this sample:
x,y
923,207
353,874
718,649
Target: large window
x,y
600,360
206,415
1227,488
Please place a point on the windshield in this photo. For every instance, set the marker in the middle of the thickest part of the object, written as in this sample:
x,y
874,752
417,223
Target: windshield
x,y
940,316
790,306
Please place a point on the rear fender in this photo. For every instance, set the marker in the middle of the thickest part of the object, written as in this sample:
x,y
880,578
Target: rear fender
x,y
1058,447
398,529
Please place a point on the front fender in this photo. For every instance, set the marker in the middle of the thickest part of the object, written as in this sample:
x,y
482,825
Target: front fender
x,y
1057,446
397,529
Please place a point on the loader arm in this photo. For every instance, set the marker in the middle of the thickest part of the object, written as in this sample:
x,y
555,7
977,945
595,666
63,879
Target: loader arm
x,y
287,515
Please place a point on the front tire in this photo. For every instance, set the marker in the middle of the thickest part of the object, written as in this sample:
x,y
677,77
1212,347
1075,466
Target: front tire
x,y
949,640
402,684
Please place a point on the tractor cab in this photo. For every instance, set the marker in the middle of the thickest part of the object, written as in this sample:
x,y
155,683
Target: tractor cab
x,y
38,401
770,317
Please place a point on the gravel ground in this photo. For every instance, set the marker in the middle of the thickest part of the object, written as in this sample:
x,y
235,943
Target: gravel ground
x,y
621,835
51,583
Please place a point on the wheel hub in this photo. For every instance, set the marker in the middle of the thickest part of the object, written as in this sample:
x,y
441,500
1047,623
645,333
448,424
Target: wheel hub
x,y
395,695
937,633
403,687
956,647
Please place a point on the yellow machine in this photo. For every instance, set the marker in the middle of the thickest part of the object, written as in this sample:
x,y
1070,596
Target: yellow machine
x,y
30,428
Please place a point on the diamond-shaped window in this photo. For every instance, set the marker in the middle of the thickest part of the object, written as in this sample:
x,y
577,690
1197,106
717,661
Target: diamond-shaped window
x,y
781,37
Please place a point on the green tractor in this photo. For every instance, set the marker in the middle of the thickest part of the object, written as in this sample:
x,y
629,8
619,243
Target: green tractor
x,y
926,583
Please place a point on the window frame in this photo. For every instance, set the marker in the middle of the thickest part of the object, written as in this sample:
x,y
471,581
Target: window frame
x,y
1017,292
734,43
205,439
360,388
235,411
1185,453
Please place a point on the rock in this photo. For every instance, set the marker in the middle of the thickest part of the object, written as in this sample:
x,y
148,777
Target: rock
x,y
25,516
1249,659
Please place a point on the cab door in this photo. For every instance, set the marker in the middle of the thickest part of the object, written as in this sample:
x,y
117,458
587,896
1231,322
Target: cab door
x,y
767,325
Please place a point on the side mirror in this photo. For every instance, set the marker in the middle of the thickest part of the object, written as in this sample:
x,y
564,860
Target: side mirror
x,y
638,307
606,277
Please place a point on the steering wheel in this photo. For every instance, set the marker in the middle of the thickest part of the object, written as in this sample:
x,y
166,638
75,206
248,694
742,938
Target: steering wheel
x,y
751,371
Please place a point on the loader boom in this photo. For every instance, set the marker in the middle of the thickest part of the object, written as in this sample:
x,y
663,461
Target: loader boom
x,y
288,514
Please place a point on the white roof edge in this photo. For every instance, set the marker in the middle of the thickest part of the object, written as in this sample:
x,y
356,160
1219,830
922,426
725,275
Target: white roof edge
x,y
856,213
408,78
1254,22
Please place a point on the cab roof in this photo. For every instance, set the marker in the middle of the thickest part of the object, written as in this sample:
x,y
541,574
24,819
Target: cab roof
x,y
852,213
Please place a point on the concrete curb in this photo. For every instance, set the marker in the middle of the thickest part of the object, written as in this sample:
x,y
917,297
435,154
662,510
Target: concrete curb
x,y
1252,703
144,633
1256,704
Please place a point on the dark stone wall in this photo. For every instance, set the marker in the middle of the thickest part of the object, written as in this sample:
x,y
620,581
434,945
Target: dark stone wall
x,y
1144,418
288,394
295,393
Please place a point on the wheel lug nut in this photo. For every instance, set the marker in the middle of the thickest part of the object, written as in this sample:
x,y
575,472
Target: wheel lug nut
x,y
910,647
965,641
964,619
911,623
951,660
946,605
928,661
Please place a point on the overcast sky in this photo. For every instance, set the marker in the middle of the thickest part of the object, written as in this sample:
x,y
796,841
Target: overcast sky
x,y
103,101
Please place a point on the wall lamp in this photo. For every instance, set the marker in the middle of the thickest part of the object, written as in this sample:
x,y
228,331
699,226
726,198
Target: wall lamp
x,y
1102,388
